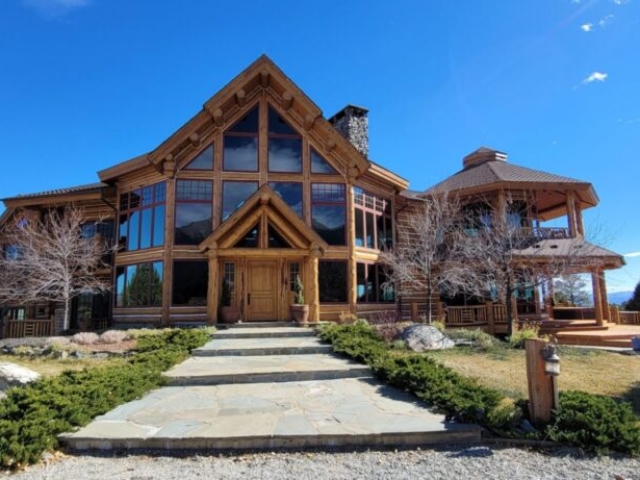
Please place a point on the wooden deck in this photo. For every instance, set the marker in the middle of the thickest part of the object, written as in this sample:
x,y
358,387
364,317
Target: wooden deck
x,y
618,336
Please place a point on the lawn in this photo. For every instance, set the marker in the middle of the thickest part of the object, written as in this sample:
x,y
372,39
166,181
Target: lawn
x,y
592,371
51,367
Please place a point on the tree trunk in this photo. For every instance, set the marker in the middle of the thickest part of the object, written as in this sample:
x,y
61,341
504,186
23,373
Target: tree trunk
x,y
429,319
66,324
509,306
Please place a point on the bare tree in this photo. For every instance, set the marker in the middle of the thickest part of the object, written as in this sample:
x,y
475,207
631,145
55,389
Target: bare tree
x,y
49,259
425,255
570,289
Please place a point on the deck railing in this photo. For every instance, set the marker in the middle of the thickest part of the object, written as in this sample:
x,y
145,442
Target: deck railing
x,y
28,328
629,318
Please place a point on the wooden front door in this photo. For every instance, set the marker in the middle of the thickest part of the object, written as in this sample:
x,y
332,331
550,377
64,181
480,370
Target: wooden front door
x,y
262,290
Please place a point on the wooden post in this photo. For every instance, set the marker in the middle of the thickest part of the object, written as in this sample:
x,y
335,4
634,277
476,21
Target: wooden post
x,y
168,251
491,327
604,300
213,288
314,287
414,311
571,214
541,386
597,297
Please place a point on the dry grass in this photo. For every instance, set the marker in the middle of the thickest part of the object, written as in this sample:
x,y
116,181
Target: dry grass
x,y
590,371
50,367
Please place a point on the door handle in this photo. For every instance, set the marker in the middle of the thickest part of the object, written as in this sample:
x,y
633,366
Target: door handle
x,y
248,299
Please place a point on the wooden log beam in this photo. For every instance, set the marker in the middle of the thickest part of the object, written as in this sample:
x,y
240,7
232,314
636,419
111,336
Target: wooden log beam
x,y
309,121
329,146
264,79
241,97
194,140
286,101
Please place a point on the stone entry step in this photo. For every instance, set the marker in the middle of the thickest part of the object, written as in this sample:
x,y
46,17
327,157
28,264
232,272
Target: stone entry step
x,y
257,325
262,346
327,413
258,369
261,332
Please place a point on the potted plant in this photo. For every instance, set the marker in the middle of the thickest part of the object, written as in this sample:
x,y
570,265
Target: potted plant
x,y
226,312
299,311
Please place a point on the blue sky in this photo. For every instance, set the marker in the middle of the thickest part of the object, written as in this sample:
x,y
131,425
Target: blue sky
x,y
554,83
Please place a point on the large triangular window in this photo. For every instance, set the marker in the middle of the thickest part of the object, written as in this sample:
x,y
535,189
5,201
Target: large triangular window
x,y
285,145
240,151
247,124
204,160
251,239
320,165
276,240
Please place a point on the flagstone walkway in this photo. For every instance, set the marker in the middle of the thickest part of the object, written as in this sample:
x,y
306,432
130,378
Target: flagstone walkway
x,y
266,388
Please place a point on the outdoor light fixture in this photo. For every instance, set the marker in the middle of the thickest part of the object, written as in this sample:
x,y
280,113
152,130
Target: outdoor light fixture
x,y
551,361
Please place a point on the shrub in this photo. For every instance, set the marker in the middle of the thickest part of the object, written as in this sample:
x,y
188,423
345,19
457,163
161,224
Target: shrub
x,y
135,333
595,423
58,341
85,338
480,339
521,333
113,336
32,417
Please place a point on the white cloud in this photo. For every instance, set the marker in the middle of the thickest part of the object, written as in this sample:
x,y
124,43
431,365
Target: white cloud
x,y
587,27
632,254
620,2
55,8
596,77
603,22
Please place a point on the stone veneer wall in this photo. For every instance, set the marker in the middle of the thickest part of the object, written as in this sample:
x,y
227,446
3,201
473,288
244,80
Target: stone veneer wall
x,y
353,124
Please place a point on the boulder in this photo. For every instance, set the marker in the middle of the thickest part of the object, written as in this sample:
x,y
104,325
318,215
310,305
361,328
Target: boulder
x,y
425,337
12,375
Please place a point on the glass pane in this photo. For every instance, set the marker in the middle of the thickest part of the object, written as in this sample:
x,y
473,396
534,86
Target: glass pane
x,y
251,238
88,230
328,192
285,155
190,283
278,125
359,228
319,164
155,286
230,276
294,271
385,290
145,228
362,288
291,193
123,235
158,226
329,222
276,240
134,199
204,160
161,192
120,286
332,280
247,124
194,190
240,154
130,276
193,223
370,230
124,201
134,226
146,196
234,194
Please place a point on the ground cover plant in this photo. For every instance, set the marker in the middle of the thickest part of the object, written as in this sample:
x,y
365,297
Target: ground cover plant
x,y
593,422
33,416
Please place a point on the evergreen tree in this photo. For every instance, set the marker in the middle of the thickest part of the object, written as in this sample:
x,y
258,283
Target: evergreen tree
x,y
634,303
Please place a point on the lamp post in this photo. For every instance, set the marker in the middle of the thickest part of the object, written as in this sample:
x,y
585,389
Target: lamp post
x,y
552,369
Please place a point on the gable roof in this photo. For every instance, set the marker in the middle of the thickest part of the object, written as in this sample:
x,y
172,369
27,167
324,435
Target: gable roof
x,y
79,192
583,252
61,191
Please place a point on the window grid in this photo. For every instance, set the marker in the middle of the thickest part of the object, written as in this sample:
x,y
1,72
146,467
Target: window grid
x,y
294,271
230,276
194,191
328,192
146,203
373,220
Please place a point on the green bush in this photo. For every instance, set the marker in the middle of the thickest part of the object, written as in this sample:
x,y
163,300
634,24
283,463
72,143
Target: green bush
x,y
595,423
459,398
481,339
33,416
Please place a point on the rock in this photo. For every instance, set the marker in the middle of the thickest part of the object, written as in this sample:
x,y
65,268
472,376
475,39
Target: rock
x,y
425,337
12,375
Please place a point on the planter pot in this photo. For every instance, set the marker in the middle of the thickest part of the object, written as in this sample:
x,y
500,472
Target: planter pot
x,y
228,315
635,343
300,314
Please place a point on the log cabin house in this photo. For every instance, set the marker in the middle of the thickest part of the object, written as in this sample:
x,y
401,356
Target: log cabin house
x,y
259,187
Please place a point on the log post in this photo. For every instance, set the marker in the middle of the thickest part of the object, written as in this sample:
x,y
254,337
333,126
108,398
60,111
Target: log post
x,y
314,287
213,288
597,297
491,327
541,386
414,311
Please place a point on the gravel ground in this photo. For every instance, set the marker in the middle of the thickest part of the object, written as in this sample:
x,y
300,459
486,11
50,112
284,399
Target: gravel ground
x,y
480,462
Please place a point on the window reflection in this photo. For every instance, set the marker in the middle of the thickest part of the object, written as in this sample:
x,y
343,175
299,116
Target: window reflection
x,y
194,209
190,282
319,164
139,285
204,160
234,194
328,212
291,193
240,149
141,220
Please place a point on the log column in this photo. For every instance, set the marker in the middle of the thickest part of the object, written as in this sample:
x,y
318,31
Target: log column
x,y
571,214
604,300
213,288
314,290
597,296
168,248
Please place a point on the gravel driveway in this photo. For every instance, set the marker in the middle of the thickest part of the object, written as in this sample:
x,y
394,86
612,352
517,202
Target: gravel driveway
x,y
480,462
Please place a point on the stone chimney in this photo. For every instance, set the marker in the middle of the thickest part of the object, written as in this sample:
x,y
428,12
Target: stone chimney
x,y
353,124
482,155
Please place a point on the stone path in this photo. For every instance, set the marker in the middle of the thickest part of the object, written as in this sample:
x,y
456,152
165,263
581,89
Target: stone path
x,y
240,391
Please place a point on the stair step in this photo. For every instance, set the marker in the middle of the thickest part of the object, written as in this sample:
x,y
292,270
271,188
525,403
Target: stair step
x,y
259,369
262,346
256,325
279,332
344,413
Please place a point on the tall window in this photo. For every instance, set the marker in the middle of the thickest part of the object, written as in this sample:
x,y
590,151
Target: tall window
x,y
190,283
332,281
373,284
241,144
517,214
193,211
285,145
142,217
329,212
478,218
229,275
139,285
291,193
234,194
373,220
